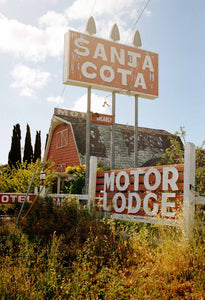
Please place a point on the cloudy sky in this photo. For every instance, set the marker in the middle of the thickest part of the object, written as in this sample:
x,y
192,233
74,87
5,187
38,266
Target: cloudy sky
x,y
31,63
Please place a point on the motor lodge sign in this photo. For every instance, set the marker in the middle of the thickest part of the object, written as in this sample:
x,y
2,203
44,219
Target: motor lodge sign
x,y
106,65
143,194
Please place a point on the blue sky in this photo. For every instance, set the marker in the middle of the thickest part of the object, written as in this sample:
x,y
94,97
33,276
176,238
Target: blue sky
x,y
31,60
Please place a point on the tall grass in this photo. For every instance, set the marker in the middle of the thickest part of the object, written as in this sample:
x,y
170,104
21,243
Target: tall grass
x,y
65,253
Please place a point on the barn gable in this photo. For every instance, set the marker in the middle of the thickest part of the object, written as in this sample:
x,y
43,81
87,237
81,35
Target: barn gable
x,y
152,143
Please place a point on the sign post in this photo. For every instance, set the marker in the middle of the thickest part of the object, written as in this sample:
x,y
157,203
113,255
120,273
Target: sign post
x,y
113,133
136,133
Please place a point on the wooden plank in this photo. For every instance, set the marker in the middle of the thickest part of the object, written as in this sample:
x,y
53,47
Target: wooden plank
x,y
142,188
100,180
110,195
179,167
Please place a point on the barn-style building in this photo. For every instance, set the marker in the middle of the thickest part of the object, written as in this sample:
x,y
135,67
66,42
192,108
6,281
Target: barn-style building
x,y
66,143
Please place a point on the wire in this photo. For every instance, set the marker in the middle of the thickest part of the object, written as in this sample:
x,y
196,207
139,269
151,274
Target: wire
x,y
91,12
138,18
61,96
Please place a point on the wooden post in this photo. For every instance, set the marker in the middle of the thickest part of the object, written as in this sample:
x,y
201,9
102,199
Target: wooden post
x,y
58,184
189,181
92,182
87,159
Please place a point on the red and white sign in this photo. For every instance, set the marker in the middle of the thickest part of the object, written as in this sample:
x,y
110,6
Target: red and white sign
x,y
6,198
95,117
101,118
110,66
143,194
69,113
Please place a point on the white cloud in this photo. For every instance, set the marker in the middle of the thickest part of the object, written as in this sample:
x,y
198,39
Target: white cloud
x,y
57,99
81,9
148,12
30,42
53,19
107,13
28,80
36,43
98,104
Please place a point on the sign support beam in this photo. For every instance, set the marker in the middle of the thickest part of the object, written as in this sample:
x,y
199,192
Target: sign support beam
x,y
113,133
136,133
87,160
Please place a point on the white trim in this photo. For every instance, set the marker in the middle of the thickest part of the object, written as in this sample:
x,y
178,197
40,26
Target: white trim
x,y
55,121
62,138
150,220
68,196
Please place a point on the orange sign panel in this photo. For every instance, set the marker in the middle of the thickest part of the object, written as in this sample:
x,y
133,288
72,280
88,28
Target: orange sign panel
x,y
110,66
101,118
95,117
142,194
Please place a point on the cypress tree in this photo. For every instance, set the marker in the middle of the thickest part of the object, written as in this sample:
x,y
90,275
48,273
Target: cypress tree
x,y
28,149
14,156
37,147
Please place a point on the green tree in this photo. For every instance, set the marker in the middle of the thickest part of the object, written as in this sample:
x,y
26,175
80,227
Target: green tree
x,y
37,147
14,157
175,154
28,149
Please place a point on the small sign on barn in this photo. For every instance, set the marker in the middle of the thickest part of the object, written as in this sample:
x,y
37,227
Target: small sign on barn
x,y
95,117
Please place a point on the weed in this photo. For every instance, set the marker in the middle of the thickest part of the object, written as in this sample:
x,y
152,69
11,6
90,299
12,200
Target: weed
x,y
66,253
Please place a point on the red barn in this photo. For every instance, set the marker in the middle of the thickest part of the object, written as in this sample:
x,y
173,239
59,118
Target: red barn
x,y
66,143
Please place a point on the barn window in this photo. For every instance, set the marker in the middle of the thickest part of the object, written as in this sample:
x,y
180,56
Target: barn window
x,y
62,138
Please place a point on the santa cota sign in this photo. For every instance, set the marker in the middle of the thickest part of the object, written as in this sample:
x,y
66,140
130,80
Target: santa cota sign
x,y
110,66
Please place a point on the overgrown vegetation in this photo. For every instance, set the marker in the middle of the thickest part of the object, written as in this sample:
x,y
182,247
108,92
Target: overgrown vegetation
x,y
175,154
66,253
76,186
18,178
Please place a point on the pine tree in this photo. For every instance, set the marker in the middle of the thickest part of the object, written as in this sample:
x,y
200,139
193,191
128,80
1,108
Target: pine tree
x,y
14,156
37,147
28,149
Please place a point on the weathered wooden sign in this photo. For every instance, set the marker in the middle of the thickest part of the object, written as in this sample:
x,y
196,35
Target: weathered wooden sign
x,y
142,194
101,118
6,198
95,117
110,66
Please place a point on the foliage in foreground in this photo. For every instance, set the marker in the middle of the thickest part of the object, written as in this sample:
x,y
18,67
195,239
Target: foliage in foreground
x,y
175,155
65,253
17,180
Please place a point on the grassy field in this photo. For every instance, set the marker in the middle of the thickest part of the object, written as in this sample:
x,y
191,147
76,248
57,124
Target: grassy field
x,y
65,253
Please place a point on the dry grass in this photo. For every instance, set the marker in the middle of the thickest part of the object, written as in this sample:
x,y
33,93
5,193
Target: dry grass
x,y
68,254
